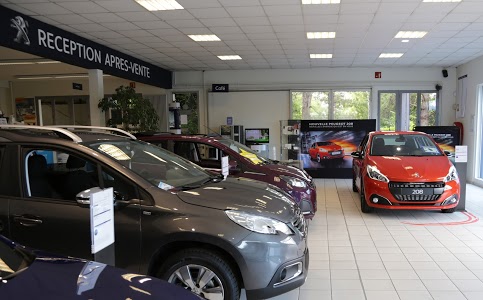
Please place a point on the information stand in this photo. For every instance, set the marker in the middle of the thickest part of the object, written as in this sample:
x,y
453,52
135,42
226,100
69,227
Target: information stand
x,y
102,225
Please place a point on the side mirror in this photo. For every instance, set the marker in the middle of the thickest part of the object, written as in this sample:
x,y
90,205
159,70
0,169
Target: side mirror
x,y
83,198
447,153
356,154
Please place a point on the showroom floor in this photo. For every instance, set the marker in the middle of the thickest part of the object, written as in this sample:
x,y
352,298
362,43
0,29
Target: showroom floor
x,y
386,255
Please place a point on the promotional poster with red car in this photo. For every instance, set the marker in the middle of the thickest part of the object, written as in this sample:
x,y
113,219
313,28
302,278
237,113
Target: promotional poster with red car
x,y
326,145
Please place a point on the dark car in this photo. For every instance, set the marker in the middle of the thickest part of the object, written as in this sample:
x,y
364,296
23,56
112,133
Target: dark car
x,y
207,151
173,219
27,274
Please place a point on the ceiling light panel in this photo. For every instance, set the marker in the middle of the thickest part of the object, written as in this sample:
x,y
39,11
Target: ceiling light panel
x,y
410,34
321,35
204,38
391,55
229,57
320,55
320,1
155,5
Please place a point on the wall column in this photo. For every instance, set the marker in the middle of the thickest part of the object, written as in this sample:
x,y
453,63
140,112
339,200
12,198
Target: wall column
x,y
96,93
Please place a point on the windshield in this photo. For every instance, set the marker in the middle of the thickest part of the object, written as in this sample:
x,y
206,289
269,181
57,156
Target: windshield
x,y
244,151
12,260
160,167
404,145
324,143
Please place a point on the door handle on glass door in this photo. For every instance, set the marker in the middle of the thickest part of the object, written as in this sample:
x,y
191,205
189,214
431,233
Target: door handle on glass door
x,y
27,221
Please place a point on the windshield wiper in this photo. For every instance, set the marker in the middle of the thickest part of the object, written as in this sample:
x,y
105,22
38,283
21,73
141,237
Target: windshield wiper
x,y
214,178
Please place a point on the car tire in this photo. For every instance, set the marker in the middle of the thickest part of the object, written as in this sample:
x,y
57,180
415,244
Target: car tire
x,y
365,208
318,158
194,263
448,210
354,186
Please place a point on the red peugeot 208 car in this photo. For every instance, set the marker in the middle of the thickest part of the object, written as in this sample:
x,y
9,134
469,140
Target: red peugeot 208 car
x,y
326,150
404,170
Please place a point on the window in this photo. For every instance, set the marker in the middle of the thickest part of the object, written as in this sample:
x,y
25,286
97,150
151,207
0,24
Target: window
x,y
57,174
330,105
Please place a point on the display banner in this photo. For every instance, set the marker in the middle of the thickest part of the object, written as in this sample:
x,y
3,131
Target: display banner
x,y
26,34
326,145
447,137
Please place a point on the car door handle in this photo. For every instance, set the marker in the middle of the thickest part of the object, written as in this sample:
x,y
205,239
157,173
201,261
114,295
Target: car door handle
x,y
27,221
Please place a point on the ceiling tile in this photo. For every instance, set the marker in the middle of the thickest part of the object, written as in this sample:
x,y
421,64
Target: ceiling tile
x,y
358,8
218,22
138,16
120,5
83,7
256,29
45,8
135,33
88,27
283,10
199,4
209,13
120,26
152,25
185,23
69,19
104,18
242,11
287,20
252,21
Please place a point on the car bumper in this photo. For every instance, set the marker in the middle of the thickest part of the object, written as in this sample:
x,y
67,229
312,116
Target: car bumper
x,y
378,195
294,273
274,264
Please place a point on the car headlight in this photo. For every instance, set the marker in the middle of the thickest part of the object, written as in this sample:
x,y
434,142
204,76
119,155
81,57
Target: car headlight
x,y
452,175
294,181
323,150
258,223
375,174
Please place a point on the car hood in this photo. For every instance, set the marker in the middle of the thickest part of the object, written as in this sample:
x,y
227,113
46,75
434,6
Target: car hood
x,y
243,194
66,278
287,170
412,168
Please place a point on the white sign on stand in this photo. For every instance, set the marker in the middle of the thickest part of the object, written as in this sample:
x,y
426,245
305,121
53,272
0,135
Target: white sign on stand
x,y
102,219
225,166
461,153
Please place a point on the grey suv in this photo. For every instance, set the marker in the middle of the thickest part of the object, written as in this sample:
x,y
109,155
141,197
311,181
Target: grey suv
x,y
173,220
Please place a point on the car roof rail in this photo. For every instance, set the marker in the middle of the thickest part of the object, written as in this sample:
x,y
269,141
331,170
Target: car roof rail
x,y
153,133
62,133
99,128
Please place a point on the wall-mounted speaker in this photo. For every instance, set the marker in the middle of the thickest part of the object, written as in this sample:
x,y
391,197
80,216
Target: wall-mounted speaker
x,y
445,73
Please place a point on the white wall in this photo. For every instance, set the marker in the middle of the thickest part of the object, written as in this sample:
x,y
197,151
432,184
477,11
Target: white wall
x,y
257,109
276,84
474,70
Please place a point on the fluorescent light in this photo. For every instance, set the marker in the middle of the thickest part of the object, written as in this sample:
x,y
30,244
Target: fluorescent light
x,y
391,55
410,34
320,1
405,41
229,57
155,5
16,63
320,35
204,37
320,55
441,0
32,78
48,62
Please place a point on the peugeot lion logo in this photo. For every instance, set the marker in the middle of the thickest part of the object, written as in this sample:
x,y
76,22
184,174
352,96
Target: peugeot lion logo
x,y
22,30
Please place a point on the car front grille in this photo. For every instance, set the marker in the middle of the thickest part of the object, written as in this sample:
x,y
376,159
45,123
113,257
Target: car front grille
x,y
415,191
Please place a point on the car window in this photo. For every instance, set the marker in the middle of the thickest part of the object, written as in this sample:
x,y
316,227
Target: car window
x,y
404,145
244,151
57,174
158,166
123,189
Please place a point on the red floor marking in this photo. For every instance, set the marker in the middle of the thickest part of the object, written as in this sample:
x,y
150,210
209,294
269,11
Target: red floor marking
x,y
471,219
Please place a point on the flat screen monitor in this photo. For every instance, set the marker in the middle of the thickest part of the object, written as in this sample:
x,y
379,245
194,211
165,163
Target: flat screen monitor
x,y
257,135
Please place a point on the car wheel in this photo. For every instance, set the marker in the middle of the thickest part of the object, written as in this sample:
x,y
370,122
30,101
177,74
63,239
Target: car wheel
x,y
318,158
448,210
202,272
354,186
365,208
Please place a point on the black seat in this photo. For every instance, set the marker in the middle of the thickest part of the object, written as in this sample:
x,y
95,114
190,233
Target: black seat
x,y
378,147
76,179
39,185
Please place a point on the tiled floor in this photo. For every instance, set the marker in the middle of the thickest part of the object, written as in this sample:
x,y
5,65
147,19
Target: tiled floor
x,y
386,255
